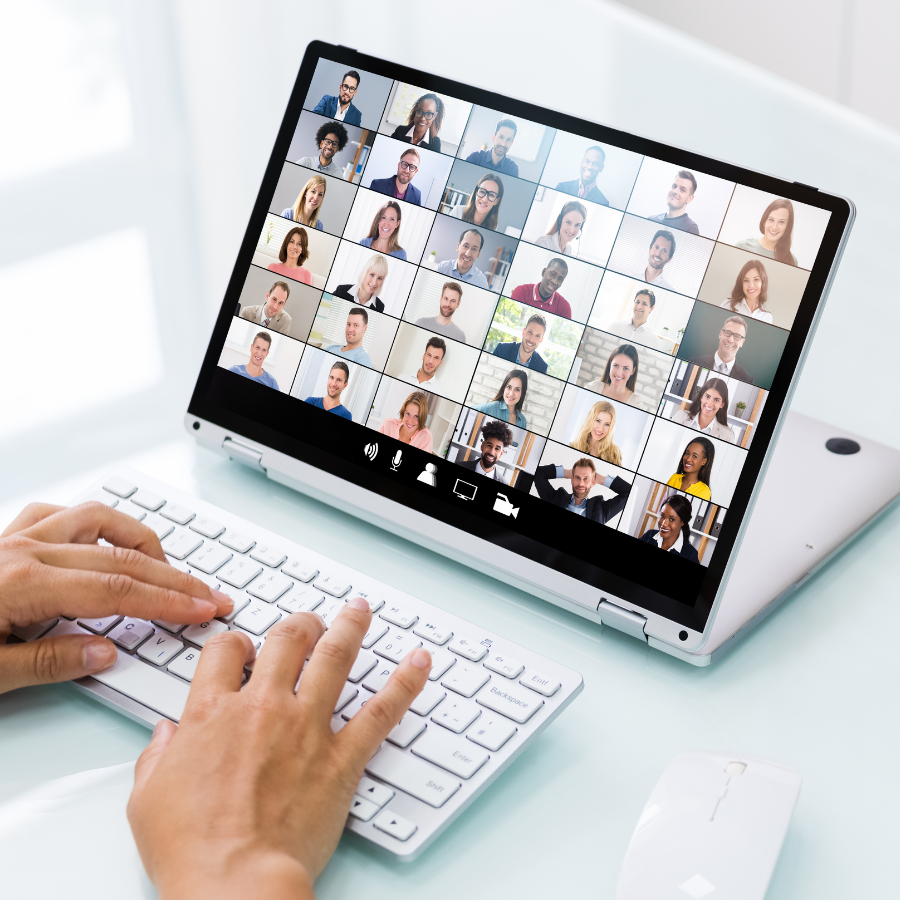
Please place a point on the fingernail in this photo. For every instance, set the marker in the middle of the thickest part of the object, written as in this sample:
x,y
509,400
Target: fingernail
x,y
421,658
98,655
207,607
358,603
222,599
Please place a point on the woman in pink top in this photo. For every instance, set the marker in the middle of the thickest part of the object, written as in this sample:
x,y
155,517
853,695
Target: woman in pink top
x,y
410,427
294,252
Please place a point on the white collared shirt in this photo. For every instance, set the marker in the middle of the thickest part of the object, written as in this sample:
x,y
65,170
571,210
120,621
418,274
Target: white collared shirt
x,y
424,142
676,547
723,368
339,114
413,378
695,423
641,335
743,309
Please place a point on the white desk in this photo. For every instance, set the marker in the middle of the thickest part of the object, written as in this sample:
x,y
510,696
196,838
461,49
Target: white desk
x,y
815,687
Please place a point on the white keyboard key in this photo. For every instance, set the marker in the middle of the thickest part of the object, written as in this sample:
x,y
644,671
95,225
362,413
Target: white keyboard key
x,y
543,684
179,564
100,626
271,556
35,630
431,631
396,644
176,513
200,634
348,693
378,677
454,754
160,649
407,730
399,616
362,809
300,569
429,697
394,825
240,601
415,776
209,580
181,544
174,627
337,587
209,558
503,665
491,731
147,685
148,499
456,715
356,705
441,661
511,701
185,666
466,679
237,541
257,616
329,610
160,527
134,511
207,527
363,664
121,487
374,600
468,649
374,792
270,587
301,599
131,634
239,572
377,630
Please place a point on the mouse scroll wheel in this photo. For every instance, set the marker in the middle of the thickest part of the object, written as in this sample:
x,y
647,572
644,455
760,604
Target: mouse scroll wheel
x,y
735,768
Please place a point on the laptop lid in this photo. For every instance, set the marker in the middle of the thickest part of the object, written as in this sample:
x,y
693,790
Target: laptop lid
x,y
556,350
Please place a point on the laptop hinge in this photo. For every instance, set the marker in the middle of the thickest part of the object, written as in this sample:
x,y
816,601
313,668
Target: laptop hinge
x,y
622,619
243,453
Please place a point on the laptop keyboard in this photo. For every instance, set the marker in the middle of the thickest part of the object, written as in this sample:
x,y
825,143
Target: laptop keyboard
x,y
486,697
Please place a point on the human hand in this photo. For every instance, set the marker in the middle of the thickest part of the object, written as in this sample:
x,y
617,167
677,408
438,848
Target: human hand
x,y
51,565
248,795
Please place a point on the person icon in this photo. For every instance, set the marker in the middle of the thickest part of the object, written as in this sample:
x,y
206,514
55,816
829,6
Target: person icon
x,y
428,474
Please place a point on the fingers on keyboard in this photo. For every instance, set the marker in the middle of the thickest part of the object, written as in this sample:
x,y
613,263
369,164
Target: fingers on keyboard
x,y
287,645
221,666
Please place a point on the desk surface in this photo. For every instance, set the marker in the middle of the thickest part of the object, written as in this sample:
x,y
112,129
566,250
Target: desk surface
x,y
812,688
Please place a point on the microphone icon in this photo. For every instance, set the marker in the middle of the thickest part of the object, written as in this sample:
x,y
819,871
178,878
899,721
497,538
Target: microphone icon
x,y
395,462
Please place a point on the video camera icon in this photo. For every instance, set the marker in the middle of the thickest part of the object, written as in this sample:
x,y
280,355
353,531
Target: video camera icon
x,y
502,505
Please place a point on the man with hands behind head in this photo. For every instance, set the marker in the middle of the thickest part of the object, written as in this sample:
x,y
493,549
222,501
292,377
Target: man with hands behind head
x,y
583,476
248,795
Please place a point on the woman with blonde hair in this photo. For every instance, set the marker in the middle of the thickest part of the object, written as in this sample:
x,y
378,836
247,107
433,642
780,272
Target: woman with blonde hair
x,y
410,427
385,231
368,284
566,229
308,203
596,436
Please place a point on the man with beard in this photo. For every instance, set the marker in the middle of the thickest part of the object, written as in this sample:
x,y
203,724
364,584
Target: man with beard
x,y
400,186
451,297
338,379
341,108
545,295
662,249
680,194
354,332
583,476
331,138
585,187
435,350
497,158
495,438
525,353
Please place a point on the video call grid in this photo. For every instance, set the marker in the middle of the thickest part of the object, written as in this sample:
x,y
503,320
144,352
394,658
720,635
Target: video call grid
x,y
655,414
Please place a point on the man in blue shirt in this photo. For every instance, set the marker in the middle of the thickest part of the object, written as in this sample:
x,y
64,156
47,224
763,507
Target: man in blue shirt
x,y
463,267
525,353
497,158
354,332
583,476
338,379
399,186
592,164
253,369
341,108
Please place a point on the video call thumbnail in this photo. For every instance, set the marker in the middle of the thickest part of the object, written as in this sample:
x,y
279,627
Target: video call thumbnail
x,y
263,356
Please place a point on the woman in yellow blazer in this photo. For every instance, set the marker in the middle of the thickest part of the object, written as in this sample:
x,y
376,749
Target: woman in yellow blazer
x,y
695,469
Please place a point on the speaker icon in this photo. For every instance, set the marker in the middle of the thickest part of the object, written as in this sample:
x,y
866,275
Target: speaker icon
x,y
371,450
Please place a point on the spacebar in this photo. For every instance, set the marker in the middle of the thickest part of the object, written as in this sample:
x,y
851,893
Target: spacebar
x,y
151,687
415,776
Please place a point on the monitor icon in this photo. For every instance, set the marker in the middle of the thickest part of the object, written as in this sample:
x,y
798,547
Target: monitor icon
x,y
464,489
502,505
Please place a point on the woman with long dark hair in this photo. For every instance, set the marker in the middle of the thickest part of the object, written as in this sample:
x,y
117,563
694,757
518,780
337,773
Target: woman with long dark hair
x,y
673,529
709,411
483,208
384,232
750,292
423,124
776,228
619,377
695,469
565,230
293,253
507,404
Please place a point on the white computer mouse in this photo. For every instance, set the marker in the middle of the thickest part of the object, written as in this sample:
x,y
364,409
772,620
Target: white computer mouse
x,y
713,827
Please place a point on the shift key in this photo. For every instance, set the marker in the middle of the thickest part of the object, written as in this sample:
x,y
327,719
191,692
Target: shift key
x,y
415,776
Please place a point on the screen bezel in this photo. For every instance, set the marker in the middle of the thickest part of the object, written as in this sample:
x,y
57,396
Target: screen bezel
x,y
695,617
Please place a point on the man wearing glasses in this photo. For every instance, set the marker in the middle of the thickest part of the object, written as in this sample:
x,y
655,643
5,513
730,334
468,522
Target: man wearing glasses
x,y
501,143
331,138
723,362
399,186
341,108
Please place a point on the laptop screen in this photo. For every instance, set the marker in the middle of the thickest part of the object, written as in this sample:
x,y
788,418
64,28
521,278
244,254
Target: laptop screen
x,y
568,341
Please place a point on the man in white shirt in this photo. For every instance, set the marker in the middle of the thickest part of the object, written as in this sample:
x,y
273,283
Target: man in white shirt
x,y
637,328
731,339
495,438
662,249
435,350
271,314
463,267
